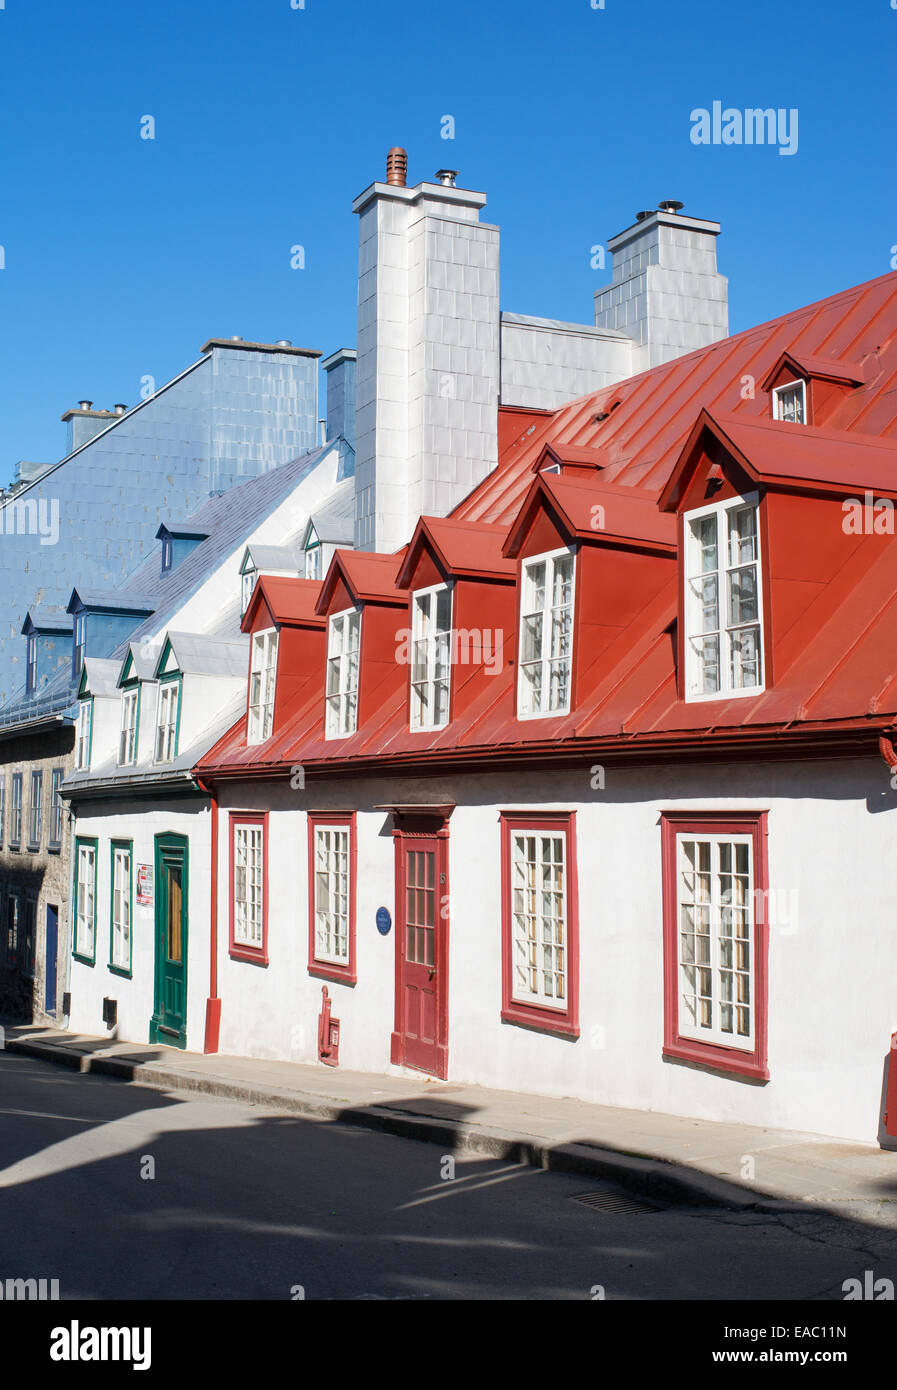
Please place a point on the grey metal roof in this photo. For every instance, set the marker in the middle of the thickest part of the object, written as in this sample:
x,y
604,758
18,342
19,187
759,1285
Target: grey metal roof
x,y
144,656
200,655
334,520
47,620
101,675
116,600
181,528
269,559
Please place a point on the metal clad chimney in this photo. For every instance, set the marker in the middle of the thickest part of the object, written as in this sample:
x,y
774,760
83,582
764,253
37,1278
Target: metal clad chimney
x,y
397,167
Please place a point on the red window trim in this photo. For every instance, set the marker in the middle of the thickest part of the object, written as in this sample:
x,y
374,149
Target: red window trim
x,y
734,1060
564,1022
327,969
253,955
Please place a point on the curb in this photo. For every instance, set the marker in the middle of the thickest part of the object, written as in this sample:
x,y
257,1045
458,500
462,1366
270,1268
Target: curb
x,y
654,1178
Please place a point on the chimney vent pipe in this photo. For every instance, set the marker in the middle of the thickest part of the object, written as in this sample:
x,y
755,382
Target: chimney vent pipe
x,y
120,408
397,167
85,405
447,177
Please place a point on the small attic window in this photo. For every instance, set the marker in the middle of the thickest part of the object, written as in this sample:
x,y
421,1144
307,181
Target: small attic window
x,y
247,582
314,562
789,402
31,674
166,554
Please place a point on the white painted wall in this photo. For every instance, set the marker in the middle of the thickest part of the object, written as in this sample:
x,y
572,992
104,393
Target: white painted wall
x,y
832,971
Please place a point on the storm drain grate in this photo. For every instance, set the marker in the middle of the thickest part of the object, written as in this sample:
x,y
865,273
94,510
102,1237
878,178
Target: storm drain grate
x,y
624,1202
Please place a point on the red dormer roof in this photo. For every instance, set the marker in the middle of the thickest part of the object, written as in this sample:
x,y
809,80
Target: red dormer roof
x,y
368,575
596,511
290,601
822,368
462,549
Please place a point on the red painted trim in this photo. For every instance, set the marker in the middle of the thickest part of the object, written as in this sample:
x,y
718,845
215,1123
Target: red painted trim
x,y
401,834
252,955
325,969
213,1003
738,1061
564,1022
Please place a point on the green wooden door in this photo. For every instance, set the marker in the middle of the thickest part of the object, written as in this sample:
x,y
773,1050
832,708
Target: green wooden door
x,y
169,1021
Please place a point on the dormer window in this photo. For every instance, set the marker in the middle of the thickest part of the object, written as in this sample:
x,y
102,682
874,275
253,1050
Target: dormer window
x,y
262,686
127,743
167,721
80,641
82,735
789,402
344,639
546,634
248,584
314,562
723,606
166,554
31,670
431,636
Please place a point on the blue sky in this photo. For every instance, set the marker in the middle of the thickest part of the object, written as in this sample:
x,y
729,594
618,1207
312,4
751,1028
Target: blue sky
x,y
123,255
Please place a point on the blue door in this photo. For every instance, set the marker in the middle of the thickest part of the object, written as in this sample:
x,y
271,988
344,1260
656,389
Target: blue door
x,y
52,946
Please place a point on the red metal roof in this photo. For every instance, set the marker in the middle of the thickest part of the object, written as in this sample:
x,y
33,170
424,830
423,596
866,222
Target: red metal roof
x,y
289,600
462,548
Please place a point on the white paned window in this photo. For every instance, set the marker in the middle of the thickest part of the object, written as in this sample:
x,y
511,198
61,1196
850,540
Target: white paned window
x,y
31,676
546,634
57,808
342,673
35,811
723,617
716,939
15,815
167,721
332,893
262,685
82,735
789,403
538,918
85,904
120,947
248,584
314,562
127,743
79,643
431,638
248,886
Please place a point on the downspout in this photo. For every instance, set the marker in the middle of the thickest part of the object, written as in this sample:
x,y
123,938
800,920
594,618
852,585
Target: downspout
x,y
213,1002
888,752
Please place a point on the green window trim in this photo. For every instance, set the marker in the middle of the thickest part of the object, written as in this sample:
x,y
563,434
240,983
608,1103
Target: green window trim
x,y
125,973
164,681
127,686
84,842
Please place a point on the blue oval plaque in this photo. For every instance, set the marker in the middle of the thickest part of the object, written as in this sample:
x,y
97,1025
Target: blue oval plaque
x,y
384,921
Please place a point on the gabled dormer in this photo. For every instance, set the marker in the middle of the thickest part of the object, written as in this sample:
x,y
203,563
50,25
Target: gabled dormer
x,y
329,528
590,557
96,718
136,675
48,647
199,676
287,647
285,561
460,620
361,604
103,620
807,390
570,461
178,541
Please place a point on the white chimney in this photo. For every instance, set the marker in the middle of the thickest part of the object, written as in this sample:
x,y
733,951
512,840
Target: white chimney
x,y
428,353
666,293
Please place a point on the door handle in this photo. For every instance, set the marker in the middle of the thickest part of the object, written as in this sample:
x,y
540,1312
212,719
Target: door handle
x,y
431,973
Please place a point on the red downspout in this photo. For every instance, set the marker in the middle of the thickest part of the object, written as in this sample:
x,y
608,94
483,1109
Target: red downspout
x,y
888,752
213,1003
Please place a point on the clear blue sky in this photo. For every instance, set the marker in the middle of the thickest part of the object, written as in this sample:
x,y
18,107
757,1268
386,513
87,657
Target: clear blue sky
x,y
123,255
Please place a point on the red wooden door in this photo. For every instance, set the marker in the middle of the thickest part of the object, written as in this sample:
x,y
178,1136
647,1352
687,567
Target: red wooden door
x,y
420,1039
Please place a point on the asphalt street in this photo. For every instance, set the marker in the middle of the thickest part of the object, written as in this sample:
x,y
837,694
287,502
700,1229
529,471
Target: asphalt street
x,y
120,1192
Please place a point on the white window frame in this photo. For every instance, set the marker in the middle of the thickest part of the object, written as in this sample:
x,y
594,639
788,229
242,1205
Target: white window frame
x,y
167,720
713,905
85,921
249,885
334,922
79,638
691,602
127,741
31,676
777,404
531,929
36,810
545,659
314,561
57,809
15,812
120,916
83,733
262,685
429,638
341,695
247,583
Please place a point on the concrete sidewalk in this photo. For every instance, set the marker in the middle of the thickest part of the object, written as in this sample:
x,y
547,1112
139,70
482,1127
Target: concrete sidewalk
x,y
664,1157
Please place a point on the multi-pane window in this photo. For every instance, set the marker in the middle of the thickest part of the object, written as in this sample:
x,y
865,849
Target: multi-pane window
x,y
249,886
82,735
431,644
546,634
57,808
31,676
79,643
716,938
314,562
85,899
331,889
167,721
247,585
127,743
35,811
342,673
790,402
12,928
28,937
262,682
15,814
120,934
166,554
538,918
723,619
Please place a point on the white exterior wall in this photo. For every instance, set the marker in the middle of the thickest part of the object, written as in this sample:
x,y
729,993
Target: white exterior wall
x,y
546,363
832,999
89,985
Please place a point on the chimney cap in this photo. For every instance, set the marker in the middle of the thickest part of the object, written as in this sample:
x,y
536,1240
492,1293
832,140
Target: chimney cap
x,y
85,405
120,408
397,166
670,205
283,342
447,176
